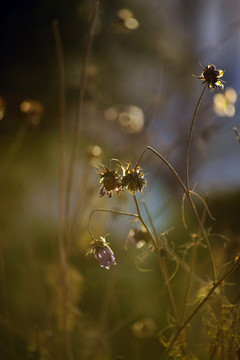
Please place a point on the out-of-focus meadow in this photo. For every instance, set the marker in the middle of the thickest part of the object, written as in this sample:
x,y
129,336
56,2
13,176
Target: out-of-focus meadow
x,y
84,82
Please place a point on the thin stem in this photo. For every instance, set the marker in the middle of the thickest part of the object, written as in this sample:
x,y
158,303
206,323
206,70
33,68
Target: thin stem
x,y
79,118
160,260
169,250
114,160
168,165
150,219
61,246
205,237
109,211
189,281
154,241
190,137
188,194
200,305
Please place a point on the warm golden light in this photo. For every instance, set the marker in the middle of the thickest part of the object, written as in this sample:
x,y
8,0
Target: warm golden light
x,y
231,95
111,114
124,14
95,151
131,23
132,119
224,103
128,19
144,328
34,109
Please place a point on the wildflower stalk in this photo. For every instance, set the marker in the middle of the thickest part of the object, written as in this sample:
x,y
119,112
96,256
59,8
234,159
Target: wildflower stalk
x,y
178,259
205,237
61,245
181,183
188,195
109,211
79,118
190,138
154,242
160,260
200,305
189,280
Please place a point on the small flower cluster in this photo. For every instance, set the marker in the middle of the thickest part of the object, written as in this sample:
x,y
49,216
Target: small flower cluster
x,y
102,252
132,179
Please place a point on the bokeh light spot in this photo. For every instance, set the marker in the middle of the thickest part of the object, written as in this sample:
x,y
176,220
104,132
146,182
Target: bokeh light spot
x,y
132,119
111,114
124,14
131,23
223,103
34,109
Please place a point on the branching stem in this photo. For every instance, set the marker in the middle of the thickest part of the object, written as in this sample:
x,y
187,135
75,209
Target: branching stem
x,y
200,305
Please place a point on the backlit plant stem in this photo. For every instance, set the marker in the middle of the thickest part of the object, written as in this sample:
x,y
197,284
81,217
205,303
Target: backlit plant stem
x,y
160,260
188,195
189,280
190,137
61,245
200,305
109,211
154,242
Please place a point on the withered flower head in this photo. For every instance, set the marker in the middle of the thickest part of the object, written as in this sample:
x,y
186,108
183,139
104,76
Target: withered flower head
x,y
102,252
211,76
133,179
110,182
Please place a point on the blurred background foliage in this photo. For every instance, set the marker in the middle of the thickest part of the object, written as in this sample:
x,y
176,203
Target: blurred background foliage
x,y
139,91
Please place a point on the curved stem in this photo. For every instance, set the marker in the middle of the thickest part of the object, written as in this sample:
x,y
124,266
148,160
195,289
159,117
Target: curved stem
x,y
181,183
190,137
205,237
116,160
188,194
189,281
109,211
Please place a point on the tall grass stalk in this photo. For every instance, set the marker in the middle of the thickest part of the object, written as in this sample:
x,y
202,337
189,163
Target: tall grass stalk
x,y
62,183
79,119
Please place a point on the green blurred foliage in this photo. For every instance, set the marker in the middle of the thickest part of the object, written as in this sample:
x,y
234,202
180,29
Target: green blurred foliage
x,y
50,310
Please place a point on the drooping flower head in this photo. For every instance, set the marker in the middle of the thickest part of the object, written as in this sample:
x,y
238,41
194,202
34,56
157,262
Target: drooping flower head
x,y
211,76
133,179
102,252
110,182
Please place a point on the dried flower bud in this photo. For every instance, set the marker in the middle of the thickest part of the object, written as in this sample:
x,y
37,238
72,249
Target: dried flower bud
x,y
110,182
211,76
133,179
102,252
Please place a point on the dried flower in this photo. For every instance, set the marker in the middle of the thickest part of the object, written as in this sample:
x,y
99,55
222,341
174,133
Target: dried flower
x,y
102,252
133,179
110,182
211,76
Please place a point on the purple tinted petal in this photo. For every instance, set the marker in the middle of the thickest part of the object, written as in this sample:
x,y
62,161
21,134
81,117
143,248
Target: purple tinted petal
x,y
102,191
105,256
